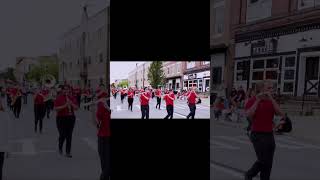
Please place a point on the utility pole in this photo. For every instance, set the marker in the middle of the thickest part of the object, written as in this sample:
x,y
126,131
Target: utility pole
x,y
137,75
143,76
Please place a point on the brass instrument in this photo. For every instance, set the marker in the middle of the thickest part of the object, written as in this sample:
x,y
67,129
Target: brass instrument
x,y
48,80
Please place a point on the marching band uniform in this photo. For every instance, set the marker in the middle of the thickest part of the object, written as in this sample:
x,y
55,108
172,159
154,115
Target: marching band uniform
x,y
16,97
144,101
122,92
158,94
39,110
130,98
191,97
87,98
169,98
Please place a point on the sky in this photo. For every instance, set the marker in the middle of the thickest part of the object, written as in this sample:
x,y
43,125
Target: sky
x,y
120,70
32,27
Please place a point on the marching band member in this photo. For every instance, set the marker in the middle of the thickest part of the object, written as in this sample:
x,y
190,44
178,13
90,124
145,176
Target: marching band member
x,y
169,98
87,97
16,100
130,98
158,95
144,102
39,109
122,93
114,93
8,93
65,105
191,97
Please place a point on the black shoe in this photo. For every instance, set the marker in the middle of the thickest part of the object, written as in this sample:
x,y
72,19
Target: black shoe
x,y
68,155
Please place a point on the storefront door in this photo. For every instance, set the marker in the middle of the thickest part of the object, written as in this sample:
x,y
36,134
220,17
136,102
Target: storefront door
x,y
312,76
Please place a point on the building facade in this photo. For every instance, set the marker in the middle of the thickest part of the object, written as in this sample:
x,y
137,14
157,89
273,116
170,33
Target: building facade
x,y
221,47
23,66
139,76
83,51
196,74
173,71
279,41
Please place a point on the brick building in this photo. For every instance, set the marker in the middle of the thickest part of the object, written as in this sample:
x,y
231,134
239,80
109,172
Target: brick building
x,y
173,71
277,40
196,74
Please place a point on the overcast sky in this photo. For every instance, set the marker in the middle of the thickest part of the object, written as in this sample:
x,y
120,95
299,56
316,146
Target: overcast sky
x,y
120,70
31,27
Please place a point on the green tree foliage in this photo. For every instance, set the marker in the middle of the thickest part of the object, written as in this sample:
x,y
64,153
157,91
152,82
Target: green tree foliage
x,y
123,83
9,74
156,75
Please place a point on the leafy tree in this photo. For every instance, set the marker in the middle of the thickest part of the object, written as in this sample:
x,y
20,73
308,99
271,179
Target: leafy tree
x,y
156,75
9,74
124,83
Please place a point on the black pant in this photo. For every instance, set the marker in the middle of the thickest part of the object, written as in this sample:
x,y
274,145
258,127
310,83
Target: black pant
x,y
25,98
104,154
192,113
158,102
86,100
39,113
1,163
115,95
170,112
122,97
79,100
48,105
17,107
217,113
130,101
65,127
8,100
249,124
264,146
145,111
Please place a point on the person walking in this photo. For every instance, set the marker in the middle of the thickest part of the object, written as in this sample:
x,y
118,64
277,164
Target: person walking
x,y
122,94
65,105
144,102
261,109
249,95
87,97
103,125
169,99
48,99
191,97
158,95
4,135
130,98
39,110
16,100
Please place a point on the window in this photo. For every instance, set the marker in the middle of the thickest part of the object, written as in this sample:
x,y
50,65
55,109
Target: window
x,y
272,63
191,64
219,17
178,68
206,62
258,75
288,87
289,75
258,64
216,75
303,4
101,57
168,71
272,75
258,9
290,62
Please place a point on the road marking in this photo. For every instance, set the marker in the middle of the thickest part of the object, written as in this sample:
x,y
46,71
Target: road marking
x,y
179,115
233,139
222,145
91,143
227,171
277,144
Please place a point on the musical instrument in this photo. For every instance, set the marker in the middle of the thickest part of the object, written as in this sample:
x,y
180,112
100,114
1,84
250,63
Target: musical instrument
x,y
48,80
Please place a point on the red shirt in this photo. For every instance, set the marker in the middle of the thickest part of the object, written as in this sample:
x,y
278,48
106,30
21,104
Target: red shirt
x,y
122,92
130,94
76,91
86,92
158,92
192,98
220,106
103,117
145,101
13,91
263,118
39,99
60,101
168,100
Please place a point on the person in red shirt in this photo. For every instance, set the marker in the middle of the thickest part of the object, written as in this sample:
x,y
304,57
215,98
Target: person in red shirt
x,y
261,109
144,102
122,93
16,96
65,105
77,93
169,98
130,98
87,97
8,93
39,109
103,115
191,97
158,95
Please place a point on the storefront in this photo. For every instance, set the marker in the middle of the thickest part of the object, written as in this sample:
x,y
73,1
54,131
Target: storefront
x,y
289,57
200,80
174,83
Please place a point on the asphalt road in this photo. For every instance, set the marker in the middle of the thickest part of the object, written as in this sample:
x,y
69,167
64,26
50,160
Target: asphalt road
x,y
231,154
181,109
35,156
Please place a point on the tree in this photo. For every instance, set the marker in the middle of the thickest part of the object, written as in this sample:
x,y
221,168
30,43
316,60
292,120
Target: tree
x,y
156,75
9,74
123,83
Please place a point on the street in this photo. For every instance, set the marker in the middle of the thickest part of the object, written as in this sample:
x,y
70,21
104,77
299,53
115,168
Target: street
x,y
231,154
35,156
181,109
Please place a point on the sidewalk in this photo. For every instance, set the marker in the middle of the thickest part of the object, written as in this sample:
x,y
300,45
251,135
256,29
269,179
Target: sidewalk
x,y
305,127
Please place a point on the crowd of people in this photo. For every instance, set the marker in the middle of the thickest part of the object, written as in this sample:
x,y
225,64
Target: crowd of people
x,y
65,100
168,95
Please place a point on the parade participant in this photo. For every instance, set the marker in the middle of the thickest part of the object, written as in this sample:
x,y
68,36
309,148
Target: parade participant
x,y
4,135
65,105
87,97
191,97
169,98
122,92
25,95
39,109
158,94
114,93
8,93
130,98
77,93
16,100
48,99
261,109
103,124
144,102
